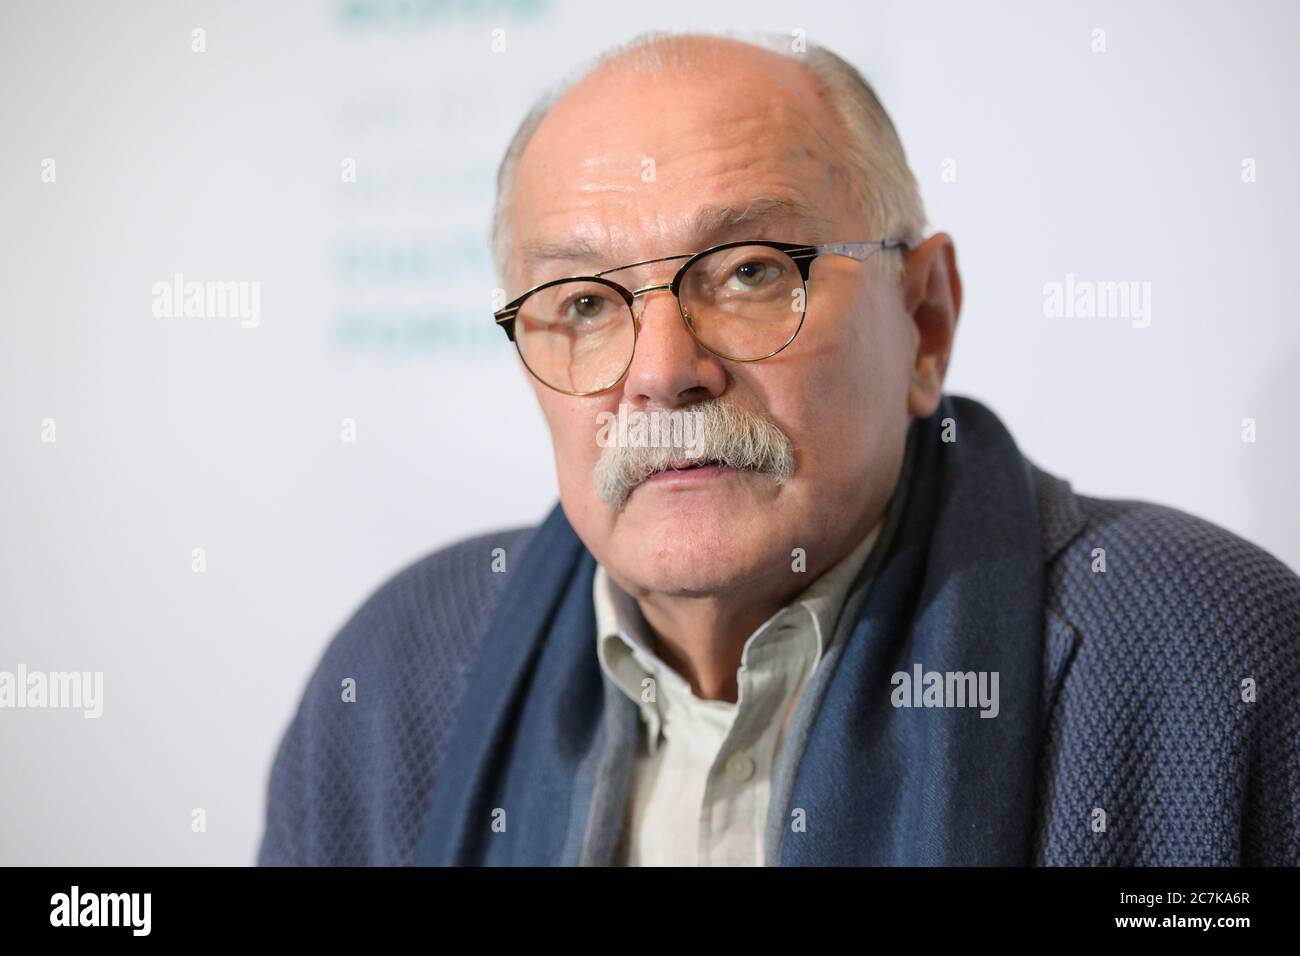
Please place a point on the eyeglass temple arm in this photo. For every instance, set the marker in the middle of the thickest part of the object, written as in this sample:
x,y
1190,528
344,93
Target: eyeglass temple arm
x,y
858,250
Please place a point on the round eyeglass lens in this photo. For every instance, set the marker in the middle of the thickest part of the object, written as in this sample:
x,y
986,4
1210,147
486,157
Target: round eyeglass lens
x,y
744,303
576,336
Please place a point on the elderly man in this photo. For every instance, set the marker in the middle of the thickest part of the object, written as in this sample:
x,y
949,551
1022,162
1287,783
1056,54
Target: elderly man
x,y
830,615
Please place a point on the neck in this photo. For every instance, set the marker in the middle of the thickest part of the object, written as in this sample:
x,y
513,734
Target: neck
x,y
702,637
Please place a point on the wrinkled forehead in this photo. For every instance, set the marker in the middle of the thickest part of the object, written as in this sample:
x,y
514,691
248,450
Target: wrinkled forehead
x,y
598,251
634,168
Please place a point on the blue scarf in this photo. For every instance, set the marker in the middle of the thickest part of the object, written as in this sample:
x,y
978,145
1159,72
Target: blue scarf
x,y
528,777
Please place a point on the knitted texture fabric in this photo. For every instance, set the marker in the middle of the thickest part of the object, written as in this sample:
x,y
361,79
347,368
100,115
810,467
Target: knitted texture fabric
x,y
1150,726
1150,755
350,782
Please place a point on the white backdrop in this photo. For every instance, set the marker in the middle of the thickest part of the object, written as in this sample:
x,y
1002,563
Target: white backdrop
x,y
1042,154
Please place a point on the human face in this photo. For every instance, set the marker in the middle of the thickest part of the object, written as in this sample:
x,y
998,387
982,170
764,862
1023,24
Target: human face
x,y
753,128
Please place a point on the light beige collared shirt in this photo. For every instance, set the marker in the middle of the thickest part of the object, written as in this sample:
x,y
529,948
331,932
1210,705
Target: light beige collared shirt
x,y
702,779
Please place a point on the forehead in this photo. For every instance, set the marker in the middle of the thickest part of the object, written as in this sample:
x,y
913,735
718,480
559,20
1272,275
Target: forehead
x,y
755,217
629,167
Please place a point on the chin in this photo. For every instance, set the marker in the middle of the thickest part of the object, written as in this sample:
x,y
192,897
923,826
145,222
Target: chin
x,y
700,540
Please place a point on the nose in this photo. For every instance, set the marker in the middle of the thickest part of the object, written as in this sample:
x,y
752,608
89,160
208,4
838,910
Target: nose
x,y
669,368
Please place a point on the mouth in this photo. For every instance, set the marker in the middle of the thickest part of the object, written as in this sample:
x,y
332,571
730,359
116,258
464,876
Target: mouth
x,y
688,469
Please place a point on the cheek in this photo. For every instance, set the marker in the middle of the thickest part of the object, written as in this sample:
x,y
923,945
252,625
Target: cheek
x,y
869,356
851,389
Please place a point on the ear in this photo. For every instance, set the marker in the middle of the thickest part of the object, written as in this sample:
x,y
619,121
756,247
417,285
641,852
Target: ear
x,y
932,298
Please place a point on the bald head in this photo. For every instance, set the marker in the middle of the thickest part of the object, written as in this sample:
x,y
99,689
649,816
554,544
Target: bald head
x,y
614,125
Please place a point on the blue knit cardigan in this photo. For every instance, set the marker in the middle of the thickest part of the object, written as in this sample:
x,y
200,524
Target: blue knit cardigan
x,y
1162,726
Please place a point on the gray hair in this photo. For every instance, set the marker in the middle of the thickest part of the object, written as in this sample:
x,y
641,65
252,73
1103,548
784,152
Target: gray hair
x,y
887,189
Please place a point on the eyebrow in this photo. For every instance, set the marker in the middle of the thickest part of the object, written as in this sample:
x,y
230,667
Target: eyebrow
x,y
706,222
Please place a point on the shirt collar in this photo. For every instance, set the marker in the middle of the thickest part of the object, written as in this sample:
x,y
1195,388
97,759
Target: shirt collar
x,y
624,642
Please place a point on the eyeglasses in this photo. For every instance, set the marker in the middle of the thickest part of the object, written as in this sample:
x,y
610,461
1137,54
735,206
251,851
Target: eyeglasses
x,y
743,301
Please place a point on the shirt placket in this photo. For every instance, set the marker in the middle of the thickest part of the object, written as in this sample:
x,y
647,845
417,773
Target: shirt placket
x,y
731,824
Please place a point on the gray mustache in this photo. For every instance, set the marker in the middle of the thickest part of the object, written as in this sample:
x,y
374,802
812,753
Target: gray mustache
x,y
725,433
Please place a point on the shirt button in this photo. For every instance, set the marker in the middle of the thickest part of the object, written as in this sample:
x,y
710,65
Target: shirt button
x,y
740,766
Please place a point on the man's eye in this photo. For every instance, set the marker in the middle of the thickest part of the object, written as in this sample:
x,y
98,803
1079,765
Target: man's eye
x,y
752,273
587,306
